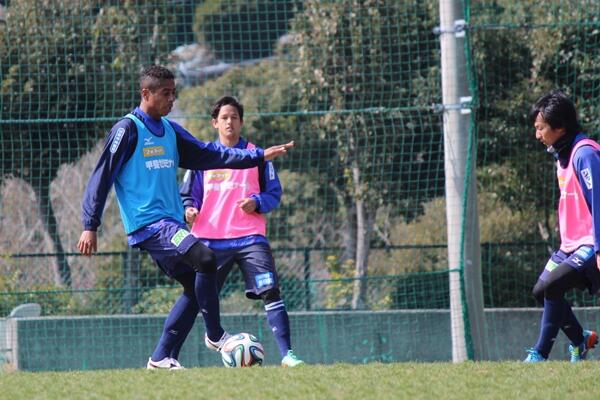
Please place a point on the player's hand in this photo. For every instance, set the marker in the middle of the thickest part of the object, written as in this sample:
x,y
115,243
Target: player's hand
x,y
276,151
190,214
87,244
598,260
248,205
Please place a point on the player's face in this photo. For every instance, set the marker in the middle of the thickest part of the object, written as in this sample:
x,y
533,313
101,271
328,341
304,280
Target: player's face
x,y
159,101
545,133
228,123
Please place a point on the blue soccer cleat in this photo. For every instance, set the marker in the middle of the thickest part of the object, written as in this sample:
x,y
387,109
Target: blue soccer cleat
x,y
579,353
534,356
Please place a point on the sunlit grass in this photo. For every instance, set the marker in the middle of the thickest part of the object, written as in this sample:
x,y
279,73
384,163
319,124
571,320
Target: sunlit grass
x,y
481,380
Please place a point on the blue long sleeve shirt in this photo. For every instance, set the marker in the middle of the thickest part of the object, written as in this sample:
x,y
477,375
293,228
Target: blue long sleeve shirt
x,y
192,194
120,145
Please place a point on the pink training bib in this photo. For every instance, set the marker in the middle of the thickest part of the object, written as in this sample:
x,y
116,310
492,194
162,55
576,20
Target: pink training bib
x,y
575,220
220,217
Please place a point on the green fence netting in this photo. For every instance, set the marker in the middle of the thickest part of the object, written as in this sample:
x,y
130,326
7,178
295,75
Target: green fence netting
x,y
355,83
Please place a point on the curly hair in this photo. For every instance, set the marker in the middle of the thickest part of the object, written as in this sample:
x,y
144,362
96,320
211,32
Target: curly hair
x,y
152,76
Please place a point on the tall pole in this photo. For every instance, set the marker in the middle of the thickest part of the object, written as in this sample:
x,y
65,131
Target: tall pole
x,y
464,254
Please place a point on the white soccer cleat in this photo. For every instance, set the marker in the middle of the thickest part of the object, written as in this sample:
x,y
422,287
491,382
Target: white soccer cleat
x,y
176,364
218,345
165,363
291,360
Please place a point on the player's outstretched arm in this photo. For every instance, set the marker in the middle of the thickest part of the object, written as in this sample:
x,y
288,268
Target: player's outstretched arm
x,y
276,151
88,243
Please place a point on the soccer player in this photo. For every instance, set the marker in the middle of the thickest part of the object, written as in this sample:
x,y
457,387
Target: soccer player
x,y
575,264
226,209
141,157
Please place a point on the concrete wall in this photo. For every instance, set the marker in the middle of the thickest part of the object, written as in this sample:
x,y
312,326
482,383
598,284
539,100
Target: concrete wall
x,y
98,342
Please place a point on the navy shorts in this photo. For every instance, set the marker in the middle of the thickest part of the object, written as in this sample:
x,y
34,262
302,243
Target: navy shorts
x,y
583,260
257,266
168,246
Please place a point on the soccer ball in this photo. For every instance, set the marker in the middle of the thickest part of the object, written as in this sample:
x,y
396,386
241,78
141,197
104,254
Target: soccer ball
x,y
242,350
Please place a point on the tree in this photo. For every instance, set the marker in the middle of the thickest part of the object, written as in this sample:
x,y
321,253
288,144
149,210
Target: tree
x,y
512,68
67,73
356,71
519,54
243,29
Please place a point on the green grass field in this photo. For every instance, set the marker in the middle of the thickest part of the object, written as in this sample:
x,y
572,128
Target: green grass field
x,y
482,380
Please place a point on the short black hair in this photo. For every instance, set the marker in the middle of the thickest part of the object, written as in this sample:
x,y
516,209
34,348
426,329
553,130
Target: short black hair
x,y
152,76
227,101
558,110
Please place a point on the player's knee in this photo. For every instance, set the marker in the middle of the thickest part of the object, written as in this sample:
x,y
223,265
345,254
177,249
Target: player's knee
x,y
538,292
554,291
207,264
271,296
202,259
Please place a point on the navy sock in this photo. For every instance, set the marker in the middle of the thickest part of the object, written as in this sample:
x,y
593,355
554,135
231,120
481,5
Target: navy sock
x,y
279,322
208,301
178,324
191,319
571,326
552,320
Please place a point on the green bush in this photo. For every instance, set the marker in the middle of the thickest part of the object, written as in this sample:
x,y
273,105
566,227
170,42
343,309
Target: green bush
x,y
157,300
243,29
52,300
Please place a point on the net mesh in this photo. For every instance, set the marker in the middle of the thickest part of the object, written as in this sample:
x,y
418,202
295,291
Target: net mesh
x,y
354,83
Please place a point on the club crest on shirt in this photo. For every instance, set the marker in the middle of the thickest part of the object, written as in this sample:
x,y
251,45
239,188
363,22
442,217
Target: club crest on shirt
x,y
562,182
217,175
587,177
117,140
154,151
